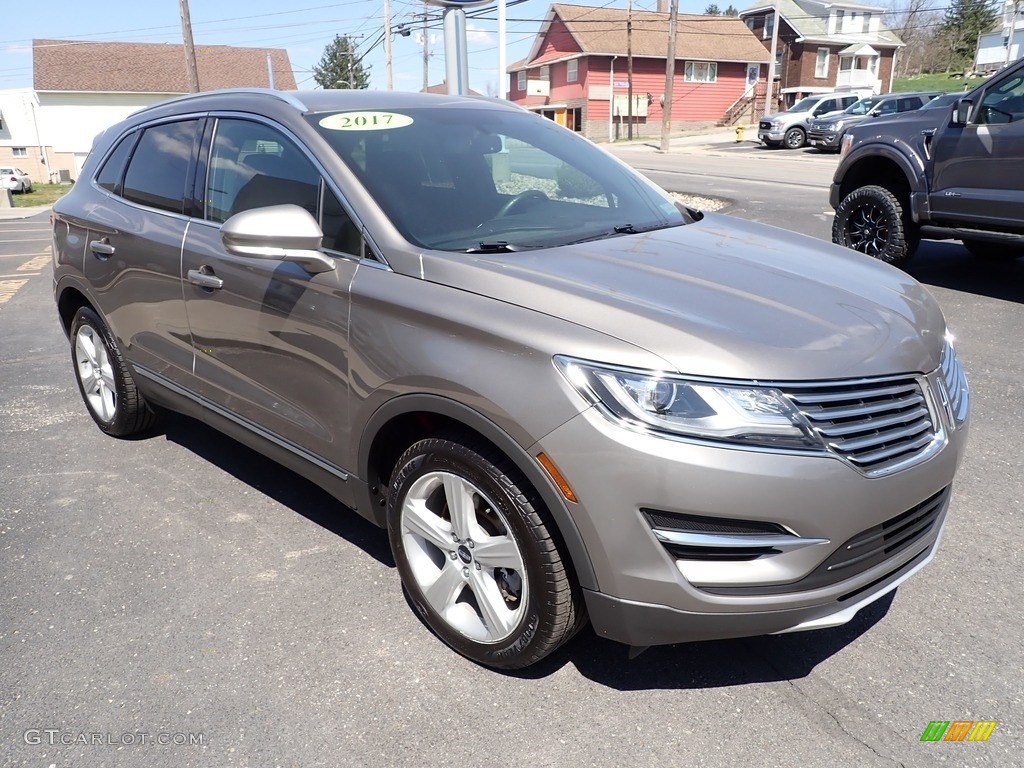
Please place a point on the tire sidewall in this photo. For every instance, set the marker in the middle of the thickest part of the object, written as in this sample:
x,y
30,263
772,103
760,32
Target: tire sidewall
x,y
899,245
438,455
794,132
86,316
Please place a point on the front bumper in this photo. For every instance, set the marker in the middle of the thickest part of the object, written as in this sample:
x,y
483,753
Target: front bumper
x,y
770,136
823,140
651,594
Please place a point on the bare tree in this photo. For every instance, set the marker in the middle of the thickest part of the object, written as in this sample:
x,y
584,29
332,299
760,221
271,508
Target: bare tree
x,y
915,22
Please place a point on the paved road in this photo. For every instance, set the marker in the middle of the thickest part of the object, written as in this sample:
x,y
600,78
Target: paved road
x,y
184,586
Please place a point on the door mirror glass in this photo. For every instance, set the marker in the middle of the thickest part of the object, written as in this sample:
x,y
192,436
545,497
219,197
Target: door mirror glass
x,y
962,116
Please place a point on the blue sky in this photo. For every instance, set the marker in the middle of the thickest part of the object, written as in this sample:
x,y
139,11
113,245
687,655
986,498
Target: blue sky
x,y
304,30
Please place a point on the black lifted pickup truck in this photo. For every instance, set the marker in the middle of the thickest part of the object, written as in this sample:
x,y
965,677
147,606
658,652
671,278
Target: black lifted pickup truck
x,y
954,173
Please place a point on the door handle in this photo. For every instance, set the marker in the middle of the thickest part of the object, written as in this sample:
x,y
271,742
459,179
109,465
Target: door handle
x,y
204,280
101,248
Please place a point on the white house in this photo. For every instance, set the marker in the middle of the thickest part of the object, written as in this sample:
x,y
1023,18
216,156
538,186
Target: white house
x,y
999,48
21,144
81,88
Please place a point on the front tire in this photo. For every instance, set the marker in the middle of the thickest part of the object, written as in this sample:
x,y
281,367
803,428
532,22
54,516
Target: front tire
x,y
105,380
872,220
795,138
477,554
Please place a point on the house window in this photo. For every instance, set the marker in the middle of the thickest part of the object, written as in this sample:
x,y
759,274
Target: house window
x,y
845,64
854,23
572,70
867,22
751,23
821,64
769,26
521,80
701,72
19,151
545,73
839,20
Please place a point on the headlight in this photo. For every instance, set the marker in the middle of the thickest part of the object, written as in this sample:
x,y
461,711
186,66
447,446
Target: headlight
x,y
836,126
736,413
776,124
846,144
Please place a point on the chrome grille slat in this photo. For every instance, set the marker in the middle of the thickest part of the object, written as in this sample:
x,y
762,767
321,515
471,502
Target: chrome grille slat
x,y
892,452
873,424
880,438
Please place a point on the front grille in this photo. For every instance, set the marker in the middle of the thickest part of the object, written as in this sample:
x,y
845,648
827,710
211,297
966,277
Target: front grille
x,y
862,552
956,384
874,425
765,125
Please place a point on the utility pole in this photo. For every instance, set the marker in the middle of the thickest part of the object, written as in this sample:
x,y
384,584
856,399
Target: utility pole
x,y
769,99
629,66
670,74
190,49
387,45
502,53
426,53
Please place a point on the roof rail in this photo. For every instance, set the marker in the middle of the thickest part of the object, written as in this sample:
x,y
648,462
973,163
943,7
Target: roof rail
x,y
284,96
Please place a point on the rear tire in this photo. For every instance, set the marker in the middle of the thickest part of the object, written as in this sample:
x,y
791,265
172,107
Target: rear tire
x,y
105,380
872,220
478,554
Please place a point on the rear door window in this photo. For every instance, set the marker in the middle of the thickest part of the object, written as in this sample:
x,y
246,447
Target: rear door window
x,y
158,169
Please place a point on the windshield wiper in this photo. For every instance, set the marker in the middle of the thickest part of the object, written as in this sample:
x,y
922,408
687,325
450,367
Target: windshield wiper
x,y
625,229
621,229
497,246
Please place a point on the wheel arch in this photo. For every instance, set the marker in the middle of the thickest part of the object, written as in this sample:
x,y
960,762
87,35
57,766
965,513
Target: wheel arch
x,y
404,420
883,168
69,300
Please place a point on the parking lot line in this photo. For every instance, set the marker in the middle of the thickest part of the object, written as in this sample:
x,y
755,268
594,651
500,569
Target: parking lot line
x,y
8,288
35,264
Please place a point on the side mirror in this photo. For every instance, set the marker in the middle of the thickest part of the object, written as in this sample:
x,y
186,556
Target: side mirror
x,y
962,115
277,232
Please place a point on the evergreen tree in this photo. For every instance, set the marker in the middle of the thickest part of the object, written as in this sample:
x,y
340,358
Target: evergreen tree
x,y
963,22
731,10
340,67
712,10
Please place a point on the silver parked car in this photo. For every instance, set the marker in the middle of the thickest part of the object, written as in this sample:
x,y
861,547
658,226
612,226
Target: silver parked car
x,y
564,395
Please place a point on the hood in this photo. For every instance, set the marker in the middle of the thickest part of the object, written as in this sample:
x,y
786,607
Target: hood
x,y
833,119
782,115
722,297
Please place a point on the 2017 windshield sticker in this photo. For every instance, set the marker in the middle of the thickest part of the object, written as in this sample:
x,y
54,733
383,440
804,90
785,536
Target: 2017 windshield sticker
x,y
365,121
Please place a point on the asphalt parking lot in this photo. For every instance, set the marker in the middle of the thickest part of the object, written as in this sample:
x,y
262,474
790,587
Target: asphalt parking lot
x,y
181,601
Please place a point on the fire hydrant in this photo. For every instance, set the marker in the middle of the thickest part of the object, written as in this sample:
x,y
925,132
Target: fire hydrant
x,y
739,133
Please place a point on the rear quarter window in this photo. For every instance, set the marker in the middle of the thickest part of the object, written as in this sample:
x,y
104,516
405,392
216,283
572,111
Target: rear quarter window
x,y
111,175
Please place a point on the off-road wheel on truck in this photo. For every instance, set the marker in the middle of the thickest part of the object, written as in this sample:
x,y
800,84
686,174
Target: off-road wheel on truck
x,y
872,220
479,557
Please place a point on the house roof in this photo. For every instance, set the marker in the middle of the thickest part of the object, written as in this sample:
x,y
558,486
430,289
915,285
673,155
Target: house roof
x,y
73,65
809,19
442,88
603,31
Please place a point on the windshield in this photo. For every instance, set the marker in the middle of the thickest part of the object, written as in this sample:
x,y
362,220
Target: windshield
x,y
481,179
805,104
861,107
941,101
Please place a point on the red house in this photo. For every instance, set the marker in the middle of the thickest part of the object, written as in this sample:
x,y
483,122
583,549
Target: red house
x,y
577,72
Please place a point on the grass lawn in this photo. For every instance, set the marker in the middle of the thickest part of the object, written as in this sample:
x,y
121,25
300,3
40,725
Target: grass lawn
x,y
938,81
41,194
